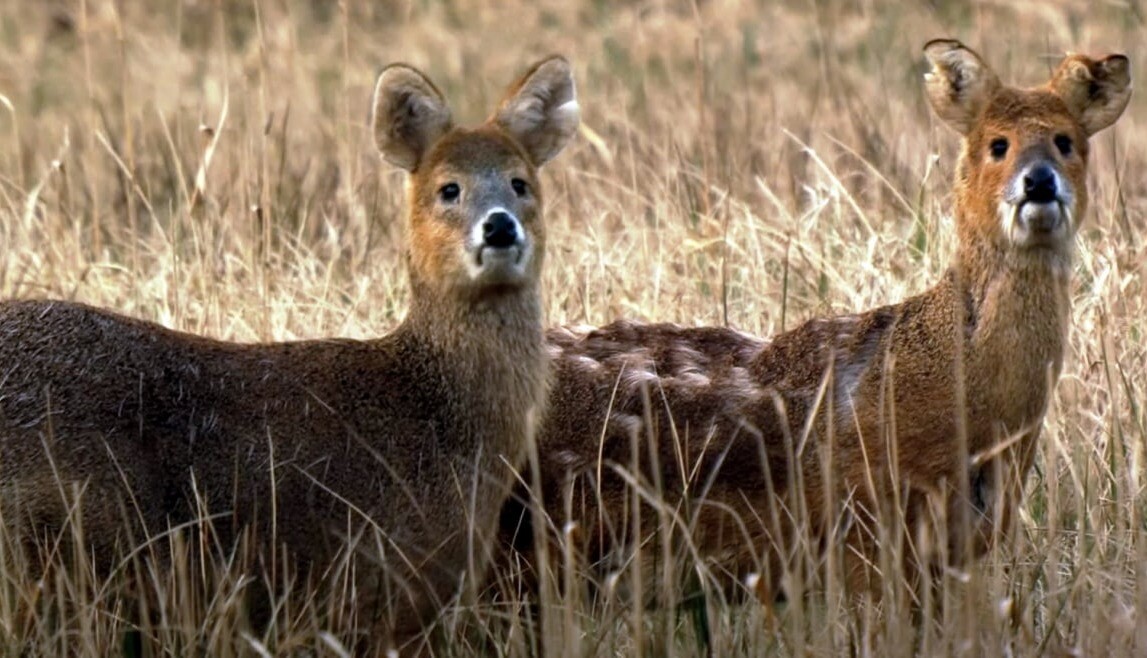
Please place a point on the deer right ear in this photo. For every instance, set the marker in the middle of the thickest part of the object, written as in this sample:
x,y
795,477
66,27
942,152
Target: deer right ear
x,y
540,110
408,115
959,84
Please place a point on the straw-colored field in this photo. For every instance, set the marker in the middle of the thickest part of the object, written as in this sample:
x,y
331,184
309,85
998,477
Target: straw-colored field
x,y
208,165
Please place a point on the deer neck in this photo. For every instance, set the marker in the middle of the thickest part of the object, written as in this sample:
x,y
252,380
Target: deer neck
x,y
506,321
492,349
1017,306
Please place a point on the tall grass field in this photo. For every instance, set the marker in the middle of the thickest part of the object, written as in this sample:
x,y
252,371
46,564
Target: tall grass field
x,y
208,165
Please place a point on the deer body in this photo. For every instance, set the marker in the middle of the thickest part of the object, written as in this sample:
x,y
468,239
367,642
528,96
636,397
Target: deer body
x,y
761,449
380,456
231,413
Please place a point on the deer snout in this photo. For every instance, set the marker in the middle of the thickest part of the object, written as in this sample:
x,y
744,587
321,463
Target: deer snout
x,y
1037,206
1040,184
499,246
1043,213
500,230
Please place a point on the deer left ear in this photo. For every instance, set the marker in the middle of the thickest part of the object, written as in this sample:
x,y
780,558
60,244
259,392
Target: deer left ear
x,y
1096,91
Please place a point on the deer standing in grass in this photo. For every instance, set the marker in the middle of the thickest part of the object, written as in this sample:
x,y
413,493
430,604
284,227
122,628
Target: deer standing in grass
x,y
375,458
762,451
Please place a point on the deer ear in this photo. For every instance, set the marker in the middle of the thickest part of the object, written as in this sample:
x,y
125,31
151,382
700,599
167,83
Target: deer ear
x,y
959,84
540,110
408,115
1096,91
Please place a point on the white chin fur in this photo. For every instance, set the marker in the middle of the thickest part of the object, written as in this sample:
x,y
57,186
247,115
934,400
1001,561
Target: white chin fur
x,y
490,265
1031,225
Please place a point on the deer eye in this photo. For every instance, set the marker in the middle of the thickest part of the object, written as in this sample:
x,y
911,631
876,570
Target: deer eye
x,y
1064,144
998,148
449,192
521,187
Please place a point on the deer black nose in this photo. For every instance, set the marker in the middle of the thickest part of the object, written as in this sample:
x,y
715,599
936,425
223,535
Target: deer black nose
x,y
1039,184
500,230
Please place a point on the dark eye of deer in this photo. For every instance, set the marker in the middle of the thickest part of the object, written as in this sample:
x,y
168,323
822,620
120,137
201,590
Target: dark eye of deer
x,y
521,187
1064,144
449,192
998,148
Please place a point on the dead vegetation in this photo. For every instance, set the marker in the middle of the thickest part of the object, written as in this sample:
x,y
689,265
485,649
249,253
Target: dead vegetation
x,y
208,165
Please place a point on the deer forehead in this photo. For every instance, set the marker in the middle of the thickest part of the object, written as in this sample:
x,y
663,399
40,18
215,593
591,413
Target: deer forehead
x,y
1033,115
480,152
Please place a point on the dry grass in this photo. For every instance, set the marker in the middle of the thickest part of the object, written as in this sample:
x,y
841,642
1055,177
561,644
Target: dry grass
x,y
207,165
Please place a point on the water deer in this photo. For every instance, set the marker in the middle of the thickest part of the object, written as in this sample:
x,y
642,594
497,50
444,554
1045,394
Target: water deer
x,y
375,458
754,452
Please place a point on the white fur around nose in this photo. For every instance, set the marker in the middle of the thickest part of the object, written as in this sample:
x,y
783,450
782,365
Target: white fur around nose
x,y
1014,193
511,261
1011,215
478,231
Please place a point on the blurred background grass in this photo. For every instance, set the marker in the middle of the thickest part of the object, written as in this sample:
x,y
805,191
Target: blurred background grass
x,y
208,165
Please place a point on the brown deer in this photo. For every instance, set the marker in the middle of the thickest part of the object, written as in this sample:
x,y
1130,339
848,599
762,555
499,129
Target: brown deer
x,y
373,458
754,451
